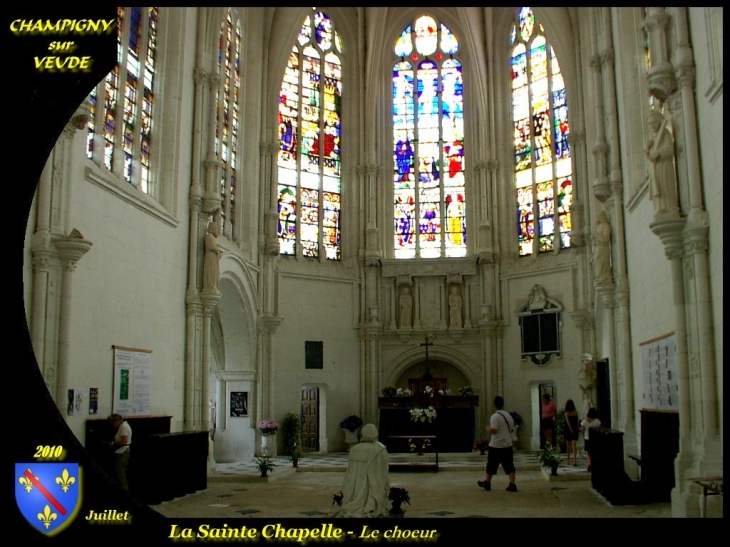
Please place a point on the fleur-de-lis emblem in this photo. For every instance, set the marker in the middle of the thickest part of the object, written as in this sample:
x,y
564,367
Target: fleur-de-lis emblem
x,y
26,483
47,516
65,481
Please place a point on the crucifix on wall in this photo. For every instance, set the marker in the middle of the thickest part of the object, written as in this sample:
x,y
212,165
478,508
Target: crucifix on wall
x,y
427,373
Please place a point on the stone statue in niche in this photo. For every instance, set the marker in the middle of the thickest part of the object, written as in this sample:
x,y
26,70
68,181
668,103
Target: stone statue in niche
x,y
455,308
602,248
662,174
211,261
405,307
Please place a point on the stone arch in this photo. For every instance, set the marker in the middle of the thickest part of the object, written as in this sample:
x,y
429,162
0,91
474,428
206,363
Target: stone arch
x,y
448,355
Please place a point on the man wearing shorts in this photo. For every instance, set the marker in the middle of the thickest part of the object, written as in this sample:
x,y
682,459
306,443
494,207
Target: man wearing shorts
x,y
501,425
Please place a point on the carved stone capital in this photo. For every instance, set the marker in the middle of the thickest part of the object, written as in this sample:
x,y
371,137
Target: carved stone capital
x,y
209,297
371,331
214,82
71,249
373,169
362,170
607,57
595,62
492,165
686,76
212,164
606,292
576,137
403,280
268,324
670,232
656,18
266,149
696,232
602,188
661,81
199,76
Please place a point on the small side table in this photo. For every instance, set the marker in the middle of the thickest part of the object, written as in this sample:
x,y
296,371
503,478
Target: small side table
x,y
711,486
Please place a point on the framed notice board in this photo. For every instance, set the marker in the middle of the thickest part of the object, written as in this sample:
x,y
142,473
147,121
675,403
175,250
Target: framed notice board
x,y
659,370
131,381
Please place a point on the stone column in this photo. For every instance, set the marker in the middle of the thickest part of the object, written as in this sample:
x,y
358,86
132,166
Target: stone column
x,y
210,299
271,216
606,293
70,250
211,194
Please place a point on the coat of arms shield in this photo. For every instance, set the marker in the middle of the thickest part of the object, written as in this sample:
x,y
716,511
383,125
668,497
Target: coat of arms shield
x,y
48,494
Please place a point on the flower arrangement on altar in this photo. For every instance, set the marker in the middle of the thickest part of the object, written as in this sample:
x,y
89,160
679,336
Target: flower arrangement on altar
x,y
389,391
351,423
466,391
404,392
428,390
418,445
268,426
423,414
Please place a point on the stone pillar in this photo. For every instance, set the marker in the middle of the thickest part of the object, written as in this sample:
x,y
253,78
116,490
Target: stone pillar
x,y
606,293
271,216
70,250
210,299
211,194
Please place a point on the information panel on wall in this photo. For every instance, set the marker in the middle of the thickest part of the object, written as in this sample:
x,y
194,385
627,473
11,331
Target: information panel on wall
x,y
659,368
131,381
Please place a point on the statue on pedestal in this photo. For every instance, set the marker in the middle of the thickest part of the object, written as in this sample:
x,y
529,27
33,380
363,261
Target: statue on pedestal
x,y
602,249
211,261
455,305
662,175
405,304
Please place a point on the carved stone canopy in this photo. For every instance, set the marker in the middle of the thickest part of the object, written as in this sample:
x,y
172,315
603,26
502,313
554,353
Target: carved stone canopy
x,y
537,299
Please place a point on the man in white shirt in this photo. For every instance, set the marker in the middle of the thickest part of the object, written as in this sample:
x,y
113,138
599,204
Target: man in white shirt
x,y
501,453
121,443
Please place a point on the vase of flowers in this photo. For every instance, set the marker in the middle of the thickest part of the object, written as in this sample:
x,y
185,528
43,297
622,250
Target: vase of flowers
x,y
351,426
550,459
422,417
466,391
389,391
419,445
268,429
398,496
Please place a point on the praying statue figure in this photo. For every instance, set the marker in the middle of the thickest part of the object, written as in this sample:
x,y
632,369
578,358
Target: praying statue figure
x,y
366,486
405,307
455,305
602,248
211,265
662,175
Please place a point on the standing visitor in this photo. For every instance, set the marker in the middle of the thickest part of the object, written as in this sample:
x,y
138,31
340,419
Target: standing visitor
x,y
547,419
591,421
121,444
500,452
571,431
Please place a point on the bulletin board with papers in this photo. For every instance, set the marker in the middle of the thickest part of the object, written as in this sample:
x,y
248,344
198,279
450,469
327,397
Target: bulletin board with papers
x,y
131,381
659,369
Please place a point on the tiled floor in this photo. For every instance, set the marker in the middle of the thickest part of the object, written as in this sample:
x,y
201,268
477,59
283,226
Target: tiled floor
x,y
236,490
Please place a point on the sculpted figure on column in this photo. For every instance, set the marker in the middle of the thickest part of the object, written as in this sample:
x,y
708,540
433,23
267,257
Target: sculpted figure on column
x,y
662,175
405,305
602,248
211,265
455,305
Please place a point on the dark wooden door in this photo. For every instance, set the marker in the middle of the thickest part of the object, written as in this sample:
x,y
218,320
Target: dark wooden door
x,y
310,419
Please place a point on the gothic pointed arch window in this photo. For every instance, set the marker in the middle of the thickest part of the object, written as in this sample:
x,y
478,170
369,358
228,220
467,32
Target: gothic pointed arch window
x,y
121,106
309,153
428,143
542,156
227,99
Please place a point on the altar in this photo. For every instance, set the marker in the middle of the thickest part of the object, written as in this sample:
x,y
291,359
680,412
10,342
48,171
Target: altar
x,y
454,425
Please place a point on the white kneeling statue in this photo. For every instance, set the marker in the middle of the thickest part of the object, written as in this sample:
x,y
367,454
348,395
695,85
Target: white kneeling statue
x,y
367,486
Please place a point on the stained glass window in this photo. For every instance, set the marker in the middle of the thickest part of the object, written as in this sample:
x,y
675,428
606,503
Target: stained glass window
x,y
542,162
228,95
120,129
428,143
309,154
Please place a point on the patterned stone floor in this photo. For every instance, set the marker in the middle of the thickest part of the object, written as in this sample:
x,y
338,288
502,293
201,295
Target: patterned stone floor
x,y
237,491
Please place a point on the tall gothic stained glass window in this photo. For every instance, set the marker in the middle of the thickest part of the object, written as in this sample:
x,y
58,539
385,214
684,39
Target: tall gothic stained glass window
x,y
309,155
120,128
542,163
428,143
226,136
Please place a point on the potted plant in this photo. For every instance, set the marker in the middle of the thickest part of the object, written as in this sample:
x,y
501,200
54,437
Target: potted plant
x,y
351,426
550,459
398,496
482,446
264,465
291,429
